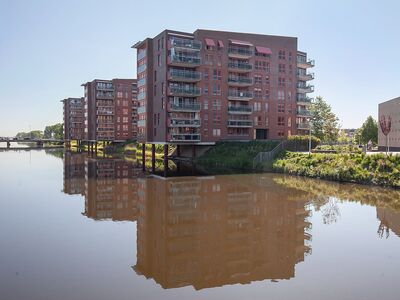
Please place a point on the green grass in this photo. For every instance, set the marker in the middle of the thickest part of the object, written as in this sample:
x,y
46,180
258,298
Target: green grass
x,y
376,169
234,155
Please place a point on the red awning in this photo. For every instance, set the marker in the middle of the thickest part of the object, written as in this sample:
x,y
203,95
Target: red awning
x,y
220,44
263,50
241,43
210,42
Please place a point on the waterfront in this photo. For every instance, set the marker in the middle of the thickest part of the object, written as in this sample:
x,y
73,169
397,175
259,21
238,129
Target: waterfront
x,y
78,227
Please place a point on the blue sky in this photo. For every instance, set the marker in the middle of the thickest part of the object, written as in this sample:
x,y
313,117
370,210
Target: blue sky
x,y
48,48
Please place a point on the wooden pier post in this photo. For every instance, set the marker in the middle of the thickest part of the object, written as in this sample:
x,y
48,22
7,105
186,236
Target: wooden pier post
x,y
165,160
144,157
153,158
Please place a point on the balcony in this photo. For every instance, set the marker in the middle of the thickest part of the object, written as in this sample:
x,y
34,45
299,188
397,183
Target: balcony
x,y
187,44
240,67
141,82
240,95
184,91
181,122
141,54
185,137
303,63
240,81
141,68
105,112
240,123
184,61
303,126
305,76
301,99
302,89
190,107
141,96
303,113
240,52
141,110
104,86
101,95
184,75
242,109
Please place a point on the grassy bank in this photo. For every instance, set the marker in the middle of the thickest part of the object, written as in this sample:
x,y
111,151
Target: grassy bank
x,y
234,155
376,169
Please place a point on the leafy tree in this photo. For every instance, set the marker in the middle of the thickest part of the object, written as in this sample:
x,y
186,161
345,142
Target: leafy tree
x,y
34,134
54,131
343,138
369,131
324,122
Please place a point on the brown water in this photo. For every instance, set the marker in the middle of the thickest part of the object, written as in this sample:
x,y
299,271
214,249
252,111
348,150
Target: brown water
x,y
85,228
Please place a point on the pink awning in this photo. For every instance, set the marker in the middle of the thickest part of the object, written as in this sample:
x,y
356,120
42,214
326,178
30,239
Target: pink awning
x,y
237,42
210,42
220,44
263,50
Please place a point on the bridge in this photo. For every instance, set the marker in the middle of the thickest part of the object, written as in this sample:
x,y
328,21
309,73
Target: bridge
x,y
38,142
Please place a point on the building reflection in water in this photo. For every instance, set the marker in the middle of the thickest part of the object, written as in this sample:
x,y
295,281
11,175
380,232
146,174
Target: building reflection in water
x,y
108,184
389,219
208,232
197,231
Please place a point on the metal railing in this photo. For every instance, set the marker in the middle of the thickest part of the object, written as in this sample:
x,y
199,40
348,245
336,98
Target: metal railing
x,y
185,106
185,137
240,66
184,74
240,123
185,43
175,122
240,51
240,80
181,90
243,108
240,94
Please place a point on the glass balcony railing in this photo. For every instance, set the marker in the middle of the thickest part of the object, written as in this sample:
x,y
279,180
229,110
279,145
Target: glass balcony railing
x,y
305,88
305,76
101,95
184,75
304,112
303,125
185,106
185,137
184,91
240,123
185,43
141,54
239,109
141,109
305,99
185,60
240,80
141,96
175,122
141,82
240,95
141,68
240,51
304,63
240,66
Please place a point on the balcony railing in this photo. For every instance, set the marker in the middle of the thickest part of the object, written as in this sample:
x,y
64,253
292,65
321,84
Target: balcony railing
x,y
240,123
105,95
141,109
105,112
141,96
185,43
240,109
184,75
240,81
104,86
302,62
240,66
141,68
305,76
305,89
185,106
184,60
141,54
304,126
240,95
141,82
180,122
238,51
304,99
183,91
304,112
185,137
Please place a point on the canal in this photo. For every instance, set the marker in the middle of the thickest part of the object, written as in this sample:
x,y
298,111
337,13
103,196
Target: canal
x,y
79,227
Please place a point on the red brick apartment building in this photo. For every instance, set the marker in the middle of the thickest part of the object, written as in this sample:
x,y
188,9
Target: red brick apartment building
x,y
73,118
110,110
206,86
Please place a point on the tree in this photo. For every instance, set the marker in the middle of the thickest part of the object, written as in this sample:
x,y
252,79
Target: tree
x,y
343,138
369,131
324,122
54,131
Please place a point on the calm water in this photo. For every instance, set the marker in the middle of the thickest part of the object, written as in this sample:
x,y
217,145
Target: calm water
x,y
84,228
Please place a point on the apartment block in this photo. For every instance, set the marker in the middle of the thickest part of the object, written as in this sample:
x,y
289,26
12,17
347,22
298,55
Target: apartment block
x,y
73,118
110,108
390,110
207,86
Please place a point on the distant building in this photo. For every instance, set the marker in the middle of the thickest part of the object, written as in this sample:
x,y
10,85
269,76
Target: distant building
x,y
110,110
73,116
207,86
349,133
390,109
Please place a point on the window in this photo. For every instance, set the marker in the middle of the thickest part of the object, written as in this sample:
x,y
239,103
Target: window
x,y
205,90
267,80
289,122
209,59
155,75
266,94
206,74
125,119
159,60
289,95
155,90
281,108
257,106
281,133
163,88
257,93
262,65
281,95
205,104
217,74
216,132
281,81
282,68
281,121
257,79
216,89
266,107
216,104
282,54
